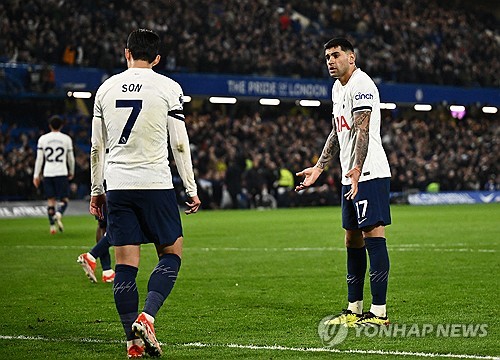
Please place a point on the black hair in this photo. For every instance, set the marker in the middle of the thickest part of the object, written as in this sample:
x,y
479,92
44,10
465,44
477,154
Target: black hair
x,y
344,44
143,44
55,122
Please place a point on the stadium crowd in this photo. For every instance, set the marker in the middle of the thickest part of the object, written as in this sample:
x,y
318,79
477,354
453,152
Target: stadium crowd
x,y
250,161
404,41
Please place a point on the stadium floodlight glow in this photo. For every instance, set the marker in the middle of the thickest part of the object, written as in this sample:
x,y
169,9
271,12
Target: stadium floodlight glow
x,y
457,111
265,101
81,94
222,100
422,107
489,109
186,98
457,108
311,103
387,106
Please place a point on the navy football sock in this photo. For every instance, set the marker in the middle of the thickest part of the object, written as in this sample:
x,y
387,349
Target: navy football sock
x,y
101,251
356,270
126,297
51,211
379,268
62,207
161,282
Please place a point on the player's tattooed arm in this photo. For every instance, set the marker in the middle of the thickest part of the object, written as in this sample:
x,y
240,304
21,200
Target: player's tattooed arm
x,y
330,149
362,127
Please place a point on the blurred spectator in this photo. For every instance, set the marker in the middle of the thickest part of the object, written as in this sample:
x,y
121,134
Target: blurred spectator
x,y
404,41
253,160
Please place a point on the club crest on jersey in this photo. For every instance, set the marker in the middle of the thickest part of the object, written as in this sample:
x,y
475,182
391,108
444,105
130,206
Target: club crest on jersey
x,y
341,124
360,96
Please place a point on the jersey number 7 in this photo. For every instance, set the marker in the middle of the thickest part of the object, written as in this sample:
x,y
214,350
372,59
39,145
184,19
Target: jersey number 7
x,y
136,106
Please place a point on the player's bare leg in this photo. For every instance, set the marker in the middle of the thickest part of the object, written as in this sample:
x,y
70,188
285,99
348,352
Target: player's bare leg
x,y
51,212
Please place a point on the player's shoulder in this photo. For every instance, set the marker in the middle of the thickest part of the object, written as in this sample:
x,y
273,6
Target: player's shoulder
x,y
359,76
109,82
113,79
166,81
66,137
43,137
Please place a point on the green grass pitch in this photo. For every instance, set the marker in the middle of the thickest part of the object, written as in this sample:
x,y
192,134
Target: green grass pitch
x,y
255,284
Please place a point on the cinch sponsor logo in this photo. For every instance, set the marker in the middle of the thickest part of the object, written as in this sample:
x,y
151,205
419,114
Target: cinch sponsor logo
x,y
360,96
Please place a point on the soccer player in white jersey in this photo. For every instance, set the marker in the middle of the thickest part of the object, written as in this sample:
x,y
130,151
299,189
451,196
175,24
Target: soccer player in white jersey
x,y
365,182
55,156
137,113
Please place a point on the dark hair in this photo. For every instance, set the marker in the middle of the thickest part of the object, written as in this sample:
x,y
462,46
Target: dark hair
x,y
55,122
143,44
344,44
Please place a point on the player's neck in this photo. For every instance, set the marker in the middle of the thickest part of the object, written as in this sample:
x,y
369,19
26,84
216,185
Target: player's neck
x,y
139,64
345,79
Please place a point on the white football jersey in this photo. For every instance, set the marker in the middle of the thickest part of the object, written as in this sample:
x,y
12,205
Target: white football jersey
x,y
360,93
55,155
136,114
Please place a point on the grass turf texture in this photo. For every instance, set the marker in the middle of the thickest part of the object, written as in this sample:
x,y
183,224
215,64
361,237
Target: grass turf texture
x,y
259,278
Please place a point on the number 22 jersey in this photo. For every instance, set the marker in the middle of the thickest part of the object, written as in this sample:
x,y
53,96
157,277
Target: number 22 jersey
x,y
55,154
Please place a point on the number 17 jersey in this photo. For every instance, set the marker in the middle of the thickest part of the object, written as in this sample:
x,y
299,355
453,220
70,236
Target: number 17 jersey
x,y
359,94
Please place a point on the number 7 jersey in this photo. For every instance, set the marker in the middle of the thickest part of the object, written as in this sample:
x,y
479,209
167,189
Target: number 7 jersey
x,y
136,114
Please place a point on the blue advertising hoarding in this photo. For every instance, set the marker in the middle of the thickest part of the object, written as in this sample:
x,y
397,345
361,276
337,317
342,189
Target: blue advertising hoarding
x,y
89,79
456,197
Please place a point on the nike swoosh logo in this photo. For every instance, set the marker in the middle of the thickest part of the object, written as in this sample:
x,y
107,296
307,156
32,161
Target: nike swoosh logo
x,y
359,222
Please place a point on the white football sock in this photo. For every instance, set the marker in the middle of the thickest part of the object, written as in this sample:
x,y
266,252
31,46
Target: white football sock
x,y
134,342
356,307
149,317
108,272
378,310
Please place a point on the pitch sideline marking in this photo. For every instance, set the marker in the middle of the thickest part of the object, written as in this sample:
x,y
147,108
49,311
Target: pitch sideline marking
x,y
351,351
262,347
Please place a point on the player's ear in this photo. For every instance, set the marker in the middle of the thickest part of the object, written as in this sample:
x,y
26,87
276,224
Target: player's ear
x,y
156,60
127,54
352,58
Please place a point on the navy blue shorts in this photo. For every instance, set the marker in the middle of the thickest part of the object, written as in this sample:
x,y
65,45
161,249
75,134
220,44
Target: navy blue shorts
x,y
369,207
143,216
56,187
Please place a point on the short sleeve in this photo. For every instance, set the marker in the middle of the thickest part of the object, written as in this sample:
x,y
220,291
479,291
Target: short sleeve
x,y
364,94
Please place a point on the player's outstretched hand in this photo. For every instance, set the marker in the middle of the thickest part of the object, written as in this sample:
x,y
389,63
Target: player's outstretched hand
x,y
96,205
193,205
310,176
